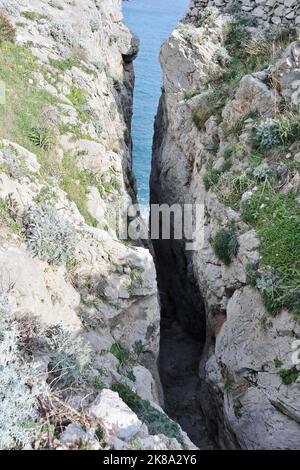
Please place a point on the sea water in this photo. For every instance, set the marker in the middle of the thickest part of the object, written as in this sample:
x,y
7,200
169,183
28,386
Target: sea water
x,y
152,21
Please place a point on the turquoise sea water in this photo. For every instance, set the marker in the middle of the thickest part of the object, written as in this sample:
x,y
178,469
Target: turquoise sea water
x,y
152,21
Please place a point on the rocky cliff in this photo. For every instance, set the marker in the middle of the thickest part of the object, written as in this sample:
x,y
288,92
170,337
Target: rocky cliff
x,y
79,326
277,12
227,136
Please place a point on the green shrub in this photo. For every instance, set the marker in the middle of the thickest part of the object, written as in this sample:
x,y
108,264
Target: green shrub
x,y
199,117
262,171
231,187
234,34
211,178
122,354
49,236
276,218
9,215
77,97
157,422
42,137
225,245
96,383
289,376
7,31
282,131
266,134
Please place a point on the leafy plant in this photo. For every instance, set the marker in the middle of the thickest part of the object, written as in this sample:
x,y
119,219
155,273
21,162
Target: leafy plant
x,y
262,171
271,132
138,348
77,96
225,245
96,383
122,354
49,236
42,137
266,134
289,376
9,214
236,150
277,362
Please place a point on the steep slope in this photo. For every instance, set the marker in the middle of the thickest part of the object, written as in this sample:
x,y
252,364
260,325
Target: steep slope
x,y
77,304
227,137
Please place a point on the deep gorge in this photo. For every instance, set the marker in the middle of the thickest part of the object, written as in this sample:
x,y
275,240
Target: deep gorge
x,y
216,104
182,309
90,319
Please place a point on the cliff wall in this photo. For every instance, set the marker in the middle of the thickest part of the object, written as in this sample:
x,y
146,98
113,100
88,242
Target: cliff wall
x,y
229,85
278,12
79,309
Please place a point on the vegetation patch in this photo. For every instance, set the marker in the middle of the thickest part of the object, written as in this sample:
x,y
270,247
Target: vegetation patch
x,y
9,215
289,376
284,130
75,183
156,421
49,235
42,137
212,176
243,53
22,113
276,218
70,356
225,245
67,64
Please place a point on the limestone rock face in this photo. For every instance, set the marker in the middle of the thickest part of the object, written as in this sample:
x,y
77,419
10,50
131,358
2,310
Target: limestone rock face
x,y
277,12
73,159
247,351
115,415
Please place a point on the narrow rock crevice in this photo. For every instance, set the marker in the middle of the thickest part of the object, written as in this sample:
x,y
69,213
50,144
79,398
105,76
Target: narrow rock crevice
x,y
183,322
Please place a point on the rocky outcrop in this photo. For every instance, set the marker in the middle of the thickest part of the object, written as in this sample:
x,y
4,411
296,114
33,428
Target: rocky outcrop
x,y
209,150
83,301
285,12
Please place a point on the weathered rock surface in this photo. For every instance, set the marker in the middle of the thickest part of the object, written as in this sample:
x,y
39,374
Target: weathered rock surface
x,y
81,61
245,401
